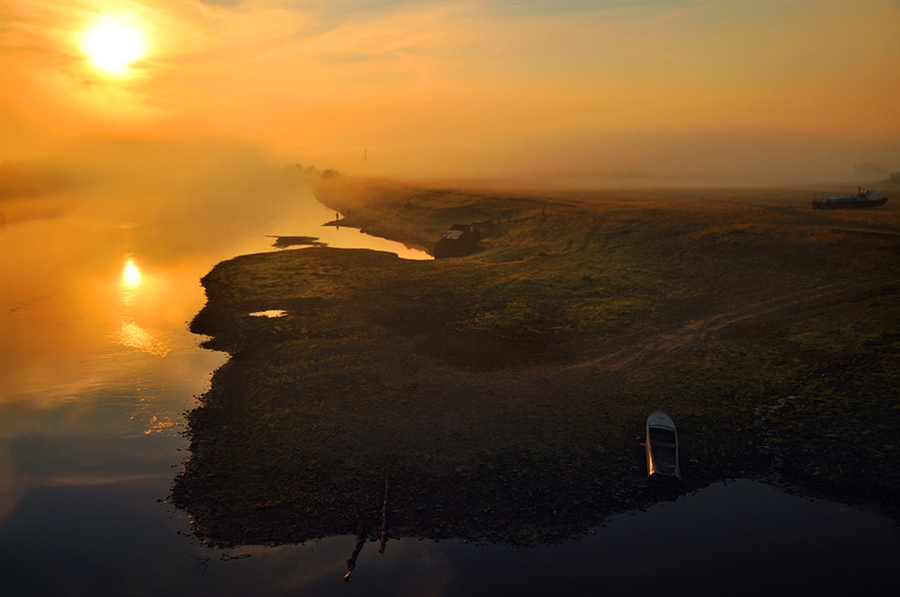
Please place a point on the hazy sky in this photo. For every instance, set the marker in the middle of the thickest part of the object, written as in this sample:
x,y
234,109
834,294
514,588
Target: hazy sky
x,y
732,92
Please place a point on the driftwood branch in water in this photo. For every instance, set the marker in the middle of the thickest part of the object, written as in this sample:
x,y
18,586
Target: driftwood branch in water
x,y
360,541
384,517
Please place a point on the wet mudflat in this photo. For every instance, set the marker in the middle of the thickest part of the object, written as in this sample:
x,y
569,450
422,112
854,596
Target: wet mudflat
x,y
501,397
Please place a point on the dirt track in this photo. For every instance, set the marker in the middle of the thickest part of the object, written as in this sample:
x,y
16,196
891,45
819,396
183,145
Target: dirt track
x,y
701,332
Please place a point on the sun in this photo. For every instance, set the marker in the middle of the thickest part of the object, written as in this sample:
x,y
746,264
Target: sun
x,y
113,44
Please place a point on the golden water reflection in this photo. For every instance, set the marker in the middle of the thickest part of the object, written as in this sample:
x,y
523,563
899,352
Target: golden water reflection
x,y
270,313
131,275
132,278
112,278
158,424
132,335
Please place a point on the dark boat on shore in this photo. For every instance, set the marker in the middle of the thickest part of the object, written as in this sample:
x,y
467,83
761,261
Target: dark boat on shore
x,y
861,199
662,448
457,241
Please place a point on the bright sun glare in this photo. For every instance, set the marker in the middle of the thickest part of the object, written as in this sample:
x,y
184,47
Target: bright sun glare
x,y
131,275
111,45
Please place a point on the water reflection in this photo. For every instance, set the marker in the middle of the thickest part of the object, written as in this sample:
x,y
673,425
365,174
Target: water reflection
x,y
270,313
131,275
97,362
131,280
743,539
109,273
132,335
158,424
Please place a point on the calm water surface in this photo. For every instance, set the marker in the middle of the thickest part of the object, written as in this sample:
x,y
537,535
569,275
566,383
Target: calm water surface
x,y
98,368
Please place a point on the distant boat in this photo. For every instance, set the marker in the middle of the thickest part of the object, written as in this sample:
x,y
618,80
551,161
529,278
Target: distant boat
x,y
860,199
458,240
662,448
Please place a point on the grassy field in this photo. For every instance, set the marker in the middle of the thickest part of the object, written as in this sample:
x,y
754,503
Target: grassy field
x,y
503,395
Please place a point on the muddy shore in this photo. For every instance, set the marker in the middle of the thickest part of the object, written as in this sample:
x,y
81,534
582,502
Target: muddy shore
x,y
503,395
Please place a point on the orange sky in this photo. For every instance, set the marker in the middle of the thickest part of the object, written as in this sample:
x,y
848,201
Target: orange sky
x,y
725,92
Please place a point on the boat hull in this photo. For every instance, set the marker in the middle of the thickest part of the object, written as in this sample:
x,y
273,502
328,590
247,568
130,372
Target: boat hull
x,y
849,204
662,448
861,199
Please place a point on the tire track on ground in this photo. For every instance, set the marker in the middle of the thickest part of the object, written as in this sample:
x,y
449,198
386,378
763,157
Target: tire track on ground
x,y
699,329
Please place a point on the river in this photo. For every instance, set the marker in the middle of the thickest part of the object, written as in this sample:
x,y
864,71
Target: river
x,y
98,369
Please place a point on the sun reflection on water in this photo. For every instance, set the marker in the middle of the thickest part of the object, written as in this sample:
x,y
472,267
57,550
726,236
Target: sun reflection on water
x,y
132,335
270,313
131,275
158,424
132,278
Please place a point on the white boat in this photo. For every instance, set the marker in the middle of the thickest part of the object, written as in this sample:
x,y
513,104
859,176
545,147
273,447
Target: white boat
x,y
662,448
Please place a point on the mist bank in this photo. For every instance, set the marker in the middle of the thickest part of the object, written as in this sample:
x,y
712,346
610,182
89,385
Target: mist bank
x,y
219,179
226,171
607,159
210,188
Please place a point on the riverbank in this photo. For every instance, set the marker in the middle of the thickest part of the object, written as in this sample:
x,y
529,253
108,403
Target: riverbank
x,y
503,395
